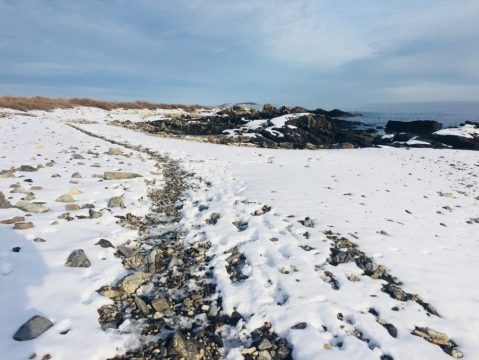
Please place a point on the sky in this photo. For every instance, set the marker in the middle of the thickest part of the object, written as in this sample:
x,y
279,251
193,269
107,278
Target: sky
x,y
328,53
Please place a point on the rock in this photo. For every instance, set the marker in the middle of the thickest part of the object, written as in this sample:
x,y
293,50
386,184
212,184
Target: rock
x,y
188,349
76,175
132,282
116,202
262,210
33,328
4,203
39,240
299,326
213,219
78,258
160,304
30,207
104,243
5,174
12,220
72,207
117,175
93,214
114,151
265,344
23,225
141,305
27,168
418,127
125,251
16,249
67,198
307,222
264,355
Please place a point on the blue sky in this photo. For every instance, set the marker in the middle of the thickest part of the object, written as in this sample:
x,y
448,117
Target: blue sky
x,y
330,53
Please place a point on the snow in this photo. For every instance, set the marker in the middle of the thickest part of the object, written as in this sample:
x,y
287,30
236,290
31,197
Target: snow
x,y
421,198
467,131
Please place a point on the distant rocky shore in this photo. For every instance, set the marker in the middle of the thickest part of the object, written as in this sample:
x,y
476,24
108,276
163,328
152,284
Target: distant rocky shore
x,y
300,128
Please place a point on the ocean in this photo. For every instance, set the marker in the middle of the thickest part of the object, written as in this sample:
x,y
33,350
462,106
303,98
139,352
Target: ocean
x,y
448,113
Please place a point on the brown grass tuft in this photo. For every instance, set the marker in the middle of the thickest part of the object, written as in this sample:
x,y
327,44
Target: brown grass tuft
x,y
48,104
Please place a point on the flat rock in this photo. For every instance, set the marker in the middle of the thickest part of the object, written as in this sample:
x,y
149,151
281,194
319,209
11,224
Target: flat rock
x,y
12,220
78,258
118,175
23,225
30,207
33,328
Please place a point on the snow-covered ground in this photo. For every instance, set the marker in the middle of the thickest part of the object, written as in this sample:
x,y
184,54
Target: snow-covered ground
x,y
409,209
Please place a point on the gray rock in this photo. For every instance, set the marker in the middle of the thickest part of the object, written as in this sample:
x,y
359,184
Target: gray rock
x,y
141,305
4,203
5,174
116,202
187,349
78,258
76,175
264,355
33,328
94,214
67,198
132,282
117,175
30,207
125,250
27,168
104,243
265,345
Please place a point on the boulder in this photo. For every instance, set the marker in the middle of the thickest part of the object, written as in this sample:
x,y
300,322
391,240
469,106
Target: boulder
x,y
78,258
418,127
33,328
30,207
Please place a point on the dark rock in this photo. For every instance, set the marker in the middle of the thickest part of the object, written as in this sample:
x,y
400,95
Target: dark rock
x,y
27,168
33,328
104,243
188,349
418,127
78,258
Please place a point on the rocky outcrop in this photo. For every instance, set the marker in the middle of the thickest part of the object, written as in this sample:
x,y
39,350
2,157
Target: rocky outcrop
x,y
417,127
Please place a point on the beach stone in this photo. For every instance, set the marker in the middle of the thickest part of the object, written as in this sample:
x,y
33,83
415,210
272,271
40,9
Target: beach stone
x,y
78,258
118,175
188,349
72,207
12,220
114,151
93,214
27,168
67,198
4,203
132,282
116,202
104,243
23,225
33,328
5,174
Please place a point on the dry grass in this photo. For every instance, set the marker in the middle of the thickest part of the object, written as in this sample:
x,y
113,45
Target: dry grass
x,y
43,103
